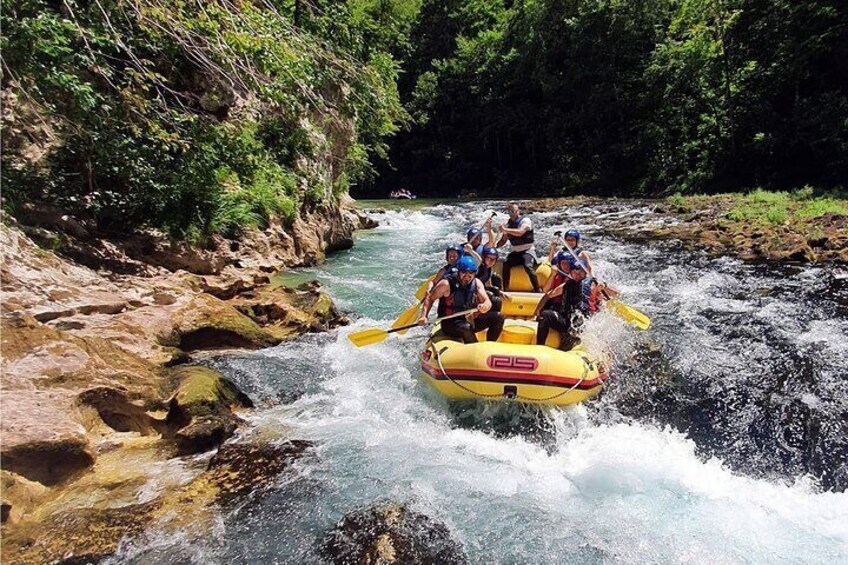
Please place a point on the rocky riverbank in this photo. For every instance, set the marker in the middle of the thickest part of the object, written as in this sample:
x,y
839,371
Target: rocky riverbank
x,y
98,389
758,226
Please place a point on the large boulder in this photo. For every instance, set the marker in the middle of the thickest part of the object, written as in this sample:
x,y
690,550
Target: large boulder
x,y
45,372
391,533
200,412
205,322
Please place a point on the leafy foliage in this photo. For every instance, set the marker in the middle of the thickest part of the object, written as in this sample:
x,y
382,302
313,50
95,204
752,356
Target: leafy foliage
x,y
607,96
203,117
198,117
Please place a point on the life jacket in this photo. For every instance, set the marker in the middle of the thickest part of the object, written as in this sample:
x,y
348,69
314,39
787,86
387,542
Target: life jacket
x,y
460,298
559,278
449,270
523,239
572,296
484,273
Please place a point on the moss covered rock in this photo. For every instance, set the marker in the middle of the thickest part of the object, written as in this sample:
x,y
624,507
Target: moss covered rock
x,y
200,413
207,322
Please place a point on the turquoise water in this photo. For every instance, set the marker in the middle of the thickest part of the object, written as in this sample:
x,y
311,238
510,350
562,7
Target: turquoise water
x,y
675,463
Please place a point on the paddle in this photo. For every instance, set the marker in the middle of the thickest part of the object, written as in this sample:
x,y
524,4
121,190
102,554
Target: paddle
x,y
624,311
630,314
376,335
422,290
409,316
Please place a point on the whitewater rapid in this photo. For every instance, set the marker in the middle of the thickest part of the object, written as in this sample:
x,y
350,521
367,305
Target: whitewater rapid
x,y
612,481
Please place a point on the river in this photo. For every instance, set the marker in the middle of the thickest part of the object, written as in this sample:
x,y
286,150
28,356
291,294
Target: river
x,y
721,436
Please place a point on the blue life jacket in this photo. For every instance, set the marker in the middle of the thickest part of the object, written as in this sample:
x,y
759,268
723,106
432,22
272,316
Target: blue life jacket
x,y
449,270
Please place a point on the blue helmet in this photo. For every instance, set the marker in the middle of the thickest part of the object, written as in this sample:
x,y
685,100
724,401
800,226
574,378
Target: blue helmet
x,y
472,233
573,233
454,247
489,252
467,264
565,256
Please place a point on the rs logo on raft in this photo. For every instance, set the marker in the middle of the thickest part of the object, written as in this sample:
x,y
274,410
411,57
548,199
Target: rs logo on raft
x,y
512,362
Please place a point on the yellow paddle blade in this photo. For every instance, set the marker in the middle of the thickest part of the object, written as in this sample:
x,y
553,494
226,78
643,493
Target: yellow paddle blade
x,y
422,290
368,337
409,316
630,314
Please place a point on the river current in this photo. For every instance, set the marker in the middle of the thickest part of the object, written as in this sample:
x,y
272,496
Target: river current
x,y
722,436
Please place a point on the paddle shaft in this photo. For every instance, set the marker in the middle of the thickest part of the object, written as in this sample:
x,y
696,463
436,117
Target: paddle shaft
x,y
582,266
603,290
457,315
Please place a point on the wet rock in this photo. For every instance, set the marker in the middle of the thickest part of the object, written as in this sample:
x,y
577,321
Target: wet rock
x,y
52,460
20,496
791,247
206,322
241,467
391,533
365,222
200,413
85,535
286,312
115,408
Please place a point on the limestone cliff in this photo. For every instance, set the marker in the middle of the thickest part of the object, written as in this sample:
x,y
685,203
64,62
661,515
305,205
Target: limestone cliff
x,y
90,333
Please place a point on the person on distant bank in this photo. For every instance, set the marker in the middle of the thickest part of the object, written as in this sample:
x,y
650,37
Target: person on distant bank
x,y
518,231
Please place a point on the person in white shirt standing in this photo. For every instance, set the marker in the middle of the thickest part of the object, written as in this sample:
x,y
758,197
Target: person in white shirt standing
x,y
518,231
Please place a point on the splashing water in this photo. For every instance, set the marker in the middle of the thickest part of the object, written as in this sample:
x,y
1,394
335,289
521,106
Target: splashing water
x,y
721,438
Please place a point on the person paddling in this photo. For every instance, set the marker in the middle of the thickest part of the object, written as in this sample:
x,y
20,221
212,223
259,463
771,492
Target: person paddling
x,y
570,295
452,254
474,235
486,275
572,242
518,231
459,292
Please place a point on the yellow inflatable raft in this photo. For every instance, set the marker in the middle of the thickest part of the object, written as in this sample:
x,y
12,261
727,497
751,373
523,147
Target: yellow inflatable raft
x,y
513,368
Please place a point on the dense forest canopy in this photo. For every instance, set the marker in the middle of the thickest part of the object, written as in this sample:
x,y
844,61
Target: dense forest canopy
x,y
204,117
623,96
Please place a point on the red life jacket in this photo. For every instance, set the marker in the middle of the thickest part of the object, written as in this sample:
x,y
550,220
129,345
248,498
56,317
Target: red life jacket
x,y
596,298
559,278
